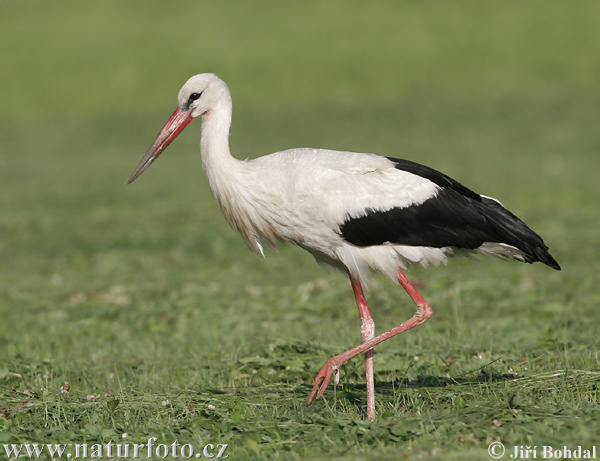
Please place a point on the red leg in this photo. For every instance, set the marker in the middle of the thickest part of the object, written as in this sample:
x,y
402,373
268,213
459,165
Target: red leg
x,y
367,330
423,313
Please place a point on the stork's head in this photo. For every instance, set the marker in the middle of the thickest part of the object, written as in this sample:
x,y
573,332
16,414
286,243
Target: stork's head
x,y
200,94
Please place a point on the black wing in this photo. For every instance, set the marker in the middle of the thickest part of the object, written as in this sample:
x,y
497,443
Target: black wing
x,y
456,217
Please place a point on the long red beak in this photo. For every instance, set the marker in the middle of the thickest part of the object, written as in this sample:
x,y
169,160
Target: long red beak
x,y
175,125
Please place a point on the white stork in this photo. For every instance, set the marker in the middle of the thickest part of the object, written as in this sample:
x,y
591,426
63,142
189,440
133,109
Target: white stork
x,y
353,212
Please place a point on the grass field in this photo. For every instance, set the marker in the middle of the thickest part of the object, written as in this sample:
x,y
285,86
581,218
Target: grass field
x,y
164,325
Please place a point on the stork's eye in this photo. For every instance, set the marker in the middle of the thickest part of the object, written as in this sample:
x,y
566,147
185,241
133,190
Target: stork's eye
x,y
193,97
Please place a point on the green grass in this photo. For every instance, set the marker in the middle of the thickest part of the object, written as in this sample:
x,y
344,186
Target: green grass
x,y
145,299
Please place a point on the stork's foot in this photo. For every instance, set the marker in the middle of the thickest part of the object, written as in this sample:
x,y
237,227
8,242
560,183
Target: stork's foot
x,y
331,368
324,377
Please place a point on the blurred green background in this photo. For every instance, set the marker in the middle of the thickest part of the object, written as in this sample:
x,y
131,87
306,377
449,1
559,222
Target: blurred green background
x,y
503,97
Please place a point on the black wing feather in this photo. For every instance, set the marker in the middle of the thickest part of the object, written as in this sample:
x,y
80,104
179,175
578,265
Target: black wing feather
x,y
456,217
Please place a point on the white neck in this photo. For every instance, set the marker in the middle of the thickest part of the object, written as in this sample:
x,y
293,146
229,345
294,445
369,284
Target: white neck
x,y
214,146
214,141
225,173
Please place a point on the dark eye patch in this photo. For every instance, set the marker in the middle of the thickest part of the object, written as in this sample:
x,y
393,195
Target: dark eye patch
x,y
193,97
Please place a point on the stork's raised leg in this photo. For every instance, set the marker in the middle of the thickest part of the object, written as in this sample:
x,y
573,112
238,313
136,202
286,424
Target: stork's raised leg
x,y
332,365
367,330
